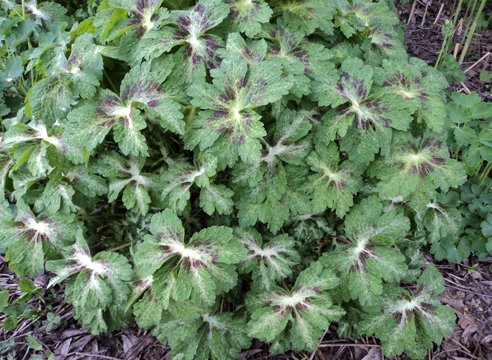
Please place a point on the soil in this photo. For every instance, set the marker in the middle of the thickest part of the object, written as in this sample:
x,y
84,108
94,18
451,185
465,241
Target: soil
x,y
468,288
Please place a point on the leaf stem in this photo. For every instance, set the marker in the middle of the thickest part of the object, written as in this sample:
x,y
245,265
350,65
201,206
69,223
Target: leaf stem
x,y
341,238
286,287
111,82
122,246
457,152
485,173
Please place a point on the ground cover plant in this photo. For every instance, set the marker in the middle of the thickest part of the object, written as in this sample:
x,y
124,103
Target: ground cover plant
x,y
228,170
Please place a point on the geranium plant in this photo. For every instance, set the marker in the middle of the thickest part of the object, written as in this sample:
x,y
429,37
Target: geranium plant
x,y
222,170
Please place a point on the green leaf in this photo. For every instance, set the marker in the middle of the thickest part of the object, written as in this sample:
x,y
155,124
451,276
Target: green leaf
x,y
334,185
306,16
90,123
126,175
211,336
481,111
464,136
410,322
97,282
365,125
227,119
421,86
371,258
29,238
458,113
485,76
248,16
269,262
216,198
307,307
198,269
416,168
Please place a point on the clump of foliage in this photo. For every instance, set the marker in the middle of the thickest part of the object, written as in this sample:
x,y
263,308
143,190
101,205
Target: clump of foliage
x,y
229,170
469,126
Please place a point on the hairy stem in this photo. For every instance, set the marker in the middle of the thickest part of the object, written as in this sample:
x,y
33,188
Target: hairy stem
x,y
286,287
341,238
122,246
111,82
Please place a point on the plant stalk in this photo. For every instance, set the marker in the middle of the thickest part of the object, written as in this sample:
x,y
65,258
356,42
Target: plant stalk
x,y
412,11
441,52
341,238
111,82
286,287
472,32
458,9
122,246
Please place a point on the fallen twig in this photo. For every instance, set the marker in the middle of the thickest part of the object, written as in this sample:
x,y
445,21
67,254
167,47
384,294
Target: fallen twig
x,y
439,14
468,291
477,62
353,345
91,355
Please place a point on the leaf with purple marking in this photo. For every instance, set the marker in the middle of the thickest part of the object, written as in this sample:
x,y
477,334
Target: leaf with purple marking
x,y
252,50
365,124
334,184
267,178
97,282
140,89
178,179
268,262
307,307
47,13
306,15
227,118
49,100
199,268
301,61
29,238
416,168
441,219
248,15
85,180
209,335
371,258
200,49
41,140
420,85
84,67
388,42
288,44
142,16
410,321
126,175
367,13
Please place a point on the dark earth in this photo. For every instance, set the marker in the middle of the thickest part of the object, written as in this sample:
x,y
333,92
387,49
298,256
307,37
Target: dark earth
x,y
468,285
